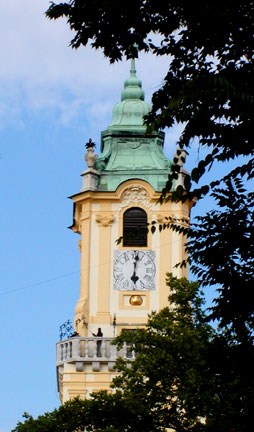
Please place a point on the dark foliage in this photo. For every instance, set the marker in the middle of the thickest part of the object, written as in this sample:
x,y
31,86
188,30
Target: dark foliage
x,y
221,249
220,253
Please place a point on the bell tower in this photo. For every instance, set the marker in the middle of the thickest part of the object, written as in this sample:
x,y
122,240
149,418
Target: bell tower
x,y
120,283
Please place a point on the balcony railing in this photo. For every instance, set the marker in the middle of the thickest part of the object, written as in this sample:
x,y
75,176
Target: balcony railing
x,y
95,349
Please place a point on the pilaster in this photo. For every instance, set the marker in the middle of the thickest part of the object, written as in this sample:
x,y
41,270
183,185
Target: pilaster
x,y
104,219
82,307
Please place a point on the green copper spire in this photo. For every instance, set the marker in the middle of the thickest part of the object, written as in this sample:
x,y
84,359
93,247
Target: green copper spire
x,y
127,152
129,113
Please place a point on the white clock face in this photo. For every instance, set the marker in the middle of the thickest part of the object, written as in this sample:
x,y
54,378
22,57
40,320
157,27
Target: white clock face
x,y
134,270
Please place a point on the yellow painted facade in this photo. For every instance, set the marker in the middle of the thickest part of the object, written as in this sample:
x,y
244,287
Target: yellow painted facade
x,y
99,220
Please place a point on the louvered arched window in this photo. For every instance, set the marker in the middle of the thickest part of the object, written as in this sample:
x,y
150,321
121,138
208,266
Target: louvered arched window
x,y
135,227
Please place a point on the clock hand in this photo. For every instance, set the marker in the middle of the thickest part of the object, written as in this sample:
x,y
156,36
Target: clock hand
x,y
134,277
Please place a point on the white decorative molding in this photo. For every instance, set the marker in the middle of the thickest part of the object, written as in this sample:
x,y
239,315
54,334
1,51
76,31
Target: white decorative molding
x,y
135,195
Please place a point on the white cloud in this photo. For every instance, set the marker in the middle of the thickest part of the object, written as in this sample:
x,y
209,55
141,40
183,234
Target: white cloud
x,y
40,71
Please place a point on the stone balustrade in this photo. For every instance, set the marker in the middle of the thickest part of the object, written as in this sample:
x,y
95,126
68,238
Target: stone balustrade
x,y
93,350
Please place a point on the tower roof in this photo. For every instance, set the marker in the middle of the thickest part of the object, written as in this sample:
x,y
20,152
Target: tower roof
x,y
129,113
127,151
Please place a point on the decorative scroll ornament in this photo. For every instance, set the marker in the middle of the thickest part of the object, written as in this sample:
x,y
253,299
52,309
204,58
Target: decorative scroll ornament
x,y
135,195
173,219
105,220
81,319
161,219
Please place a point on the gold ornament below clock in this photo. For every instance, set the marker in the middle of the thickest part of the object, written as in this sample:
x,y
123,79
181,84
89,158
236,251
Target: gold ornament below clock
x,y
136,300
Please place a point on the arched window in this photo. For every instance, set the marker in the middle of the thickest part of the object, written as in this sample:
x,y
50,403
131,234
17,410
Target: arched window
x,y
135,227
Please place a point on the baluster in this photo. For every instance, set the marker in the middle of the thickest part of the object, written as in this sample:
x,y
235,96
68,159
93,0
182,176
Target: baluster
x,y
124,350
65,351
133,356
76,347
94,348
60,352
113,352
103,348
86,348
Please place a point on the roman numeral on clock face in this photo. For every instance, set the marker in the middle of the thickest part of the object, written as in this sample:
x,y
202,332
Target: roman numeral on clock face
x,y
119,277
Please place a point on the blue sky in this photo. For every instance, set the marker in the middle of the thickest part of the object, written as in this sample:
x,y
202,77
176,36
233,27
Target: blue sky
x,y
52,100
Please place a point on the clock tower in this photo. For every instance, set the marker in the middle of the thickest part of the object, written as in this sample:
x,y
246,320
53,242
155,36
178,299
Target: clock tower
x,y
120,282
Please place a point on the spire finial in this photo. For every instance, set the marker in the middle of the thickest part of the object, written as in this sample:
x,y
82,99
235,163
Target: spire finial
x,y
133,68
129,113
133,86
